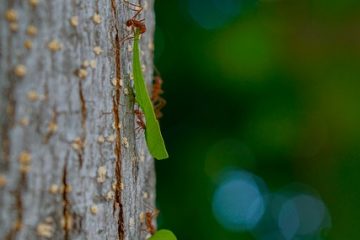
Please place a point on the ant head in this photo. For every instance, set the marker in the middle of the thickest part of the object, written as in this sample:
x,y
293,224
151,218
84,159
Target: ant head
x,y
129,22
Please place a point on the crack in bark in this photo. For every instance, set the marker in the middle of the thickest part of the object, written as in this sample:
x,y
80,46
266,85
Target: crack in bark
x,y
17,225
116,111
83,106
83,119
8,123
52,125
19,201
66,203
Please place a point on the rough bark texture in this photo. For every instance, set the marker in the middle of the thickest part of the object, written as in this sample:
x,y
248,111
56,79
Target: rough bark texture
x,y
72,165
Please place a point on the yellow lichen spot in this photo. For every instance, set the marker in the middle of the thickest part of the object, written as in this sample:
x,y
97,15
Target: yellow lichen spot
x,y
146,5
129,48
49,220
34,3
142,157
67,222
122,187
131,222
126,91
131,76
25,161
101,174
111,138
45,230
11,15
14,27
94,209
97,50
114,82
65,188
101,139
52,127
151,46
24,121
142,217
17,225
31,30
145,195
82,73
20,70
54,189
93,64
85,63
110,195
54,45
114,126
74,21
28,44
96,18
113,185
3,181
25,157
77,144
32,96
125,142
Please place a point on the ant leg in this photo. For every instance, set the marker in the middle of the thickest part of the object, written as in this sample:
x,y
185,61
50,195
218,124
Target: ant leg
x,y
159,103
132,4
157,72
138,8
128,37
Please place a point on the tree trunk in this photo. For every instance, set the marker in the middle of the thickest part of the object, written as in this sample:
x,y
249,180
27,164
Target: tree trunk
x,y
72,164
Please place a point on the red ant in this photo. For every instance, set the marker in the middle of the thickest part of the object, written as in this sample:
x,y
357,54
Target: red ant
x,y
157,100
150,228
139,120
133,22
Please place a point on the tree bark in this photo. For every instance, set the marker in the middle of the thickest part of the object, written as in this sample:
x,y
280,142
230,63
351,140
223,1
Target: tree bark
x,y
72,164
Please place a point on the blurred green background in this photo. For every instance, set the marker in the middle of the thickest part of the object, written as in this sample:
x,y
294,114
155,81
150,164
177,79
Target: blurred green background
x,y
262,121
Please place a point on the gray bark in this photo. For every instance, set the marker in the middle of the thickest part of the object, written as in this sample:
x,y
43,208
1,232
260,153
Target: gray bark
x,y
72,164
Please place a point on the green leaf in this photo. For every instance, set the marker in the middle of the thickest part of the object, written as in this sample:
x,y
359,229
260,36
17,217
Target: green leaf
x,y
154,139
163,234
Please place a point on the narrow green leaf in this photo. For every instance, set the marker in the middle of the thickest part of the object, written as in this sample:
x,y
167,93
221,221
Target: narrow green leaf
x,y
154,139
163,234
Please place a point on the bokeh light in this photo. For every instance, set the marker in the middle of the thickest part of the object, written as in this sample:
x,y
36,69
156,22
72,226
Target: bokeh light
x,y
303,215
238,202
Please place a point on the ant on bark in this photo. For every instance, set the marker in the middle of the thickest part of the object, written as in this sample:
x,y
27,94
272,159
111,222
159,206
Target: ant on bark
x,y
133,22
150,228
157,100
139,120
